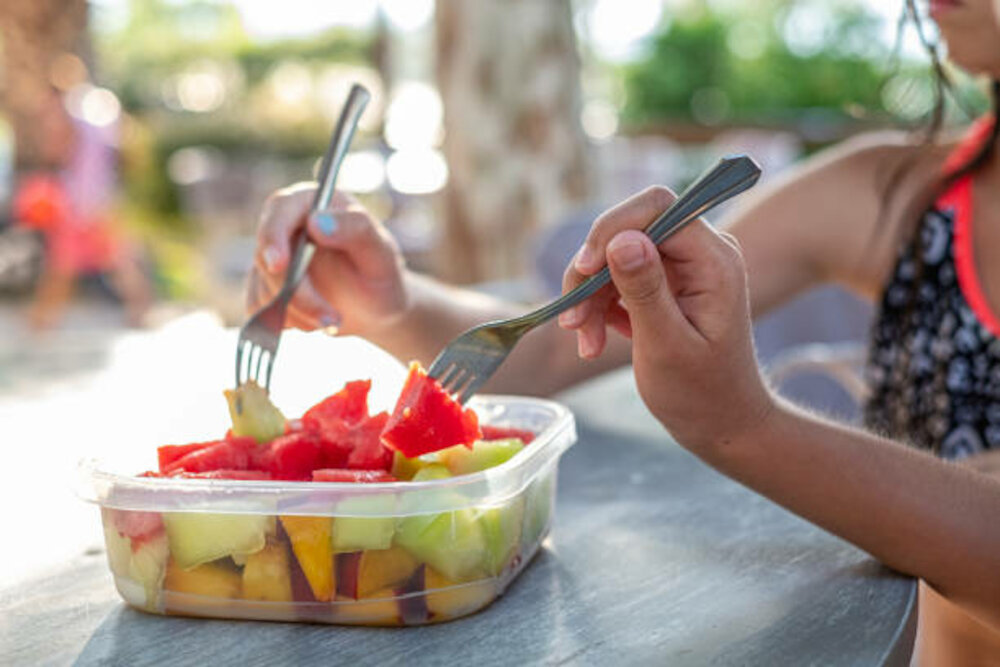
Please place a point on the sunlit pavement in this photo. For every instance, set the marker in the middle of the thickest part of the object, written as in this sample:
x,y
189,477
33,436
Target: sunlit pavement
x,y
94,388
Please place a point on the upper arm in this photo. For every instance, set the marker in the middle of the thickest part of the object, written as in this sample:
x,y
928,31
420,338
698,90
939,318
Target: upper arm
x,y
826,220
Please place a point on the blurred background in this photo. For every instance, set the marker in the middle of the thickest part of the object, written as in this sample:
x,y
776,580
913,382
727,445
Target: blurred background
x,y
497,131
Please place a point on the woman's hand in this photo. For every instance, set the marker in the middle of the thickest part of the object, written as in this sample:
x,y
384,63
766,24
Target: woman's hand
x,y
356,279
686,309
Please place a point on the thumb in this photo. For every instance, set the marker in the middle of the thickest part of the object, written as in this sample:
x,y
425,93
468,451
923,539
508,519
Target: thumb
x,y
637,272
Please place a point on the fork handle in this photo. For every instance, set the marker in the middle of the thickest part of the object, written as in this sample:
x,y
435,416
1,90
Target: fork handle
x,y
729,177
343,133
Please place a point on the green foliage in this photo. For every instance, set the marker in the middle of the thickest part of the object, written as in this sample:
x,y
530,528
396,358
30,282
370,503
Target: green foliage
x,y
713,68
142,60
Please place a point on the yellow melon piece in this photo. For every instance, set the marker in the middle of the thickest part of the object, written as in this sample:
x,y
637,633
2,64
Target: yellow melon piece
x,y
266,574
379,609
384,568
447,599
311,541
208,580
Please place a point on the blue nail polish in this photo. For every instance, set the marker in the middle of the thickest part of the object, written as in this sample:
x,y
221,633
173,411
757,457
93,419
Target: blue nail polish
x,y
327,320
325,222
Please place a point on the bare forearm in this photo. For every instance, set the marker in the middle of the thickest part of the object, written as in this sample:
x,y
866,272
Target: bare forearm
x,y
543,362
917,514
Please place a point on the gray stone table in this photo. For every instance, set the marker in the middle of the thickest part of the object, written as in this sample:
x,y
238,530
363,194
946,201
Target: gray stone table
x,y
655,559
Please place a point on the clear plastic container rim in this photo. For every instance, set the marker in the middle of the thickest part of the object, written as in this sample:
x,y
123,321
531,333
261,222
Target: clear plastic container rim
x,y
494,486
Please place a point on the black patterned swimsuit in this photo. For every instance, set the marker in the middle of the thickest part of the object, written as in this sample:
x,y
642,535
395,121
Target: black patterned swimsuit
x,y
934,363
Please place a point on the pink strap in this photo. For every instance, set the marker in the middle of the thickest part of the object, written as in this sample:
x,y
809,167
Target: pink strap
x,y
958,198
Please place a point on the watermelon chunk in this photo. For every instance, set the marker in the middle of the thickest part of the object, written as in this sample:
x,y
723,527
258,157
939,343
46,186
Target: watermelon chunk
x,y
295,456
349,405
232,454
358,476
427,419
136,525
167,454
367,451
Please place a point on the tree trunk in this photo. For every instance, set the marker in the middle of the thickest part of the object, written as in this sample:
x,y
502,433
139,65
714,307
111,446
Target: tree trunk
x,y
508,71
34,33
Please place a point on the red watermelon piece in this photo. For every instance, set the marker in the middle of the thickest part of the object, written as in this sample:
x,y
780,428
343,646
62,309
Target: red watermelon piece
x,y
427,418
135,524
355,476
350,437
505,432
349,405
367,451
294,456
167,454
232,454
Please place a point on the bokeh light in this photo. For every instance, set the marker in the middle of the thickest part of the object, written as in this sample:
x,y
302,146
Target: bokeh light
x,y
599,119
408,15
414,117
97,106
416,171
362,172
617,30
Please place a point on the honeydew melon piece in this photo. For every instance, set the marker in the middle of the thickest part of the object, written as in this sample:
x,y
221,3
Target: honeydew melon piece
x,y
404,468
538,508
453,543
431,472
311,541
360,533
197,538
253,413
484,454
502,530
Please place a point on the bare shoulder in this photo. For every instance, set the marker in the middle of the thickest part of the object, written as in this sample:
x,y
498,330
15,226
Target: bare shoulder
x,y
870,160
843,211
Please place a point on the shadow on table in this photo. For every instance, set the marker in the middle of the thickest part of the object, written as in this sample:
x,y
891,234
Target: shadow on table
x,y
522,626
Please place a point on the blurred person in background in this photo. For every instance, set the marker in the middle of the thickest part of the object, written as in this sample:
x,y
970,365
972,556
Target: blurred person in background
x,y
906,222
71,201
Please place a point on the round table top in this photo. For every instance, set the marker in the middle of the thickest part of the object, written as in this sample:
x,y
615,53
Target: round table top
x,y
654,559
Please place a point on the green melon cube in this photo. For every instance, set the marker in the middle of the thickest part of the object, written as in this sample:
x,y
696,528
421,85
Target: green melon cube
x,y
197,538
484,454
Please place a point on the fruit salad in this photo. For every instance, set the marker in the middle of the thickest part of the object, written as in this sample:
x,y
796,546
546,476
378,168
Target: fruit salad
x,y
340,516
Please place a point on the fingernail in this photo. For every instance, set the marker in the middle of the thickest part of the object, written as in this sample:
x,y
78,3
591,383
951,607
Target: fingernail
x,y
569,318
327,320
271,256
586,260
326,222
575,315
584,347
627,253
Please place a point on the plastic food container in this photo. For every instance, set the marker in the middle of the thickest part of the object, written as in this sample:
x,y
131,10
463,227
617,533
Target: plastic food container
x,y
401,553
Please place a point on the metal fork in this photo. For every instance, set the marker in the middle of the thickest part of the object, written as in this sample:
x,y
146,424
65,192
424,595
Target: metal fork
x,y
471,359
259,338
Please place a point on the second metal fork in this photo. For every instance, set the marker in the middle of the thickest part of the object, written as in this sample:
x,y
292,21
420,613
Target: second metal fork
x,y
472,358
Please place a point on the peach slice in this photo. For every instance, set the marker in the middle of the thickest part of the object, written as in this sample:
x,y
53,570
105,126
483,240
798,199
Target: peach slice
x,y
208,581
266,574
311,541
